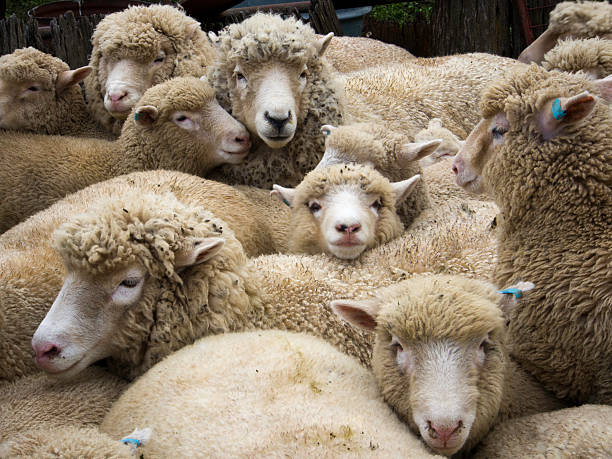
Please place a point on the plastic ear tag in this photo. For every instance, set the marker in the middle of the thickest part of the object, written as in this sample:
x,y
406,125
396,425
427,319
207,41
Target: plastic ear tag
x,y
137,116
557,111
286,202
514,291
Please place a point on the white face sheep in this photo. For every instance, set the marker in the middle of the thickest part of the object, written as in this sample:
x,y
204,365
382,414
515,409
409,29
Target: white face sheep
x,y
542,152
440,357
138,48
343,210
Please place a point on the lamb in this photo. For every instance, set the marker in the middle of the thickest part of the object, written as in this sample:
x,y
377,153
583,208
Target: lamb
x,y
270,75
542,151
349,54
587,19
176,125
404,97
31,273
158,274
592,55
293,395
136,49
449,146
441,361
343,210
583,431
39,93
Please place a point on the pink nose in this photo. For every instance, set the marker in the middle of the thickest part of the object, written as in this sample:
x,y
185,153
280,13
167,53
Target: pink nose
x,y
116,96
242,139
443,432
457,165
341,228
45,352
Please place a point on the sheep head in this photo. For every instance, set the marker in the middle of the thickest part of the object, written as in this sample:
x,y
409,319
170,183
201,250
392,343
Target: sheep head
x,y
269,65
130,264
34,83
343,210
439,355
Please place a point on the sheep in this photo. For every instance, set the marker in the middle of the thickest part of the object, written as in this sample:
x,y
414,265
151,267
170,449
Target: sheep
x,y
293,395
176,125
542,151
349,54
343,210
587,19
404,97
592,55
271,76
31,274
35,402
161,274
449,146
583,431
441,361
39,93
136,49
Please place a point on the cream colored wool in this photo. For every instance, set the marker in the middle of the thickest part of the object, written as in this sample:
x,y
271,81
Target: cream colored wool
x,y
450,145
140,33
38,170
49,110
425,310
592,56
307,236
581,432
36,402
261,42
404,97
582,19
66,442
557,207
31,272
349,54
290,395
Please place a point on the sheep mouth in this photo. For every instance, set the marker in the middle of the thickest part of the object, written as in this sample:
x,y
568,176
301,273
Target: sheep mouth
x,y
233,157
349,243
58,373
473,186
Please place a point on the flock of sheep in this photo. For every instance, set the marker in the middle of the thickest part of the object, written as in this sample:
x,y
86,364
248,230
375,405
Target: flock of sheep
x,y
376,308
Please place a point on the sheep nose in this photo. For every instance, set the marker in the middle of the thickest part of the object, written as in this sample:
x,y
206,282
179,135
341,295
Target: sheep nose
x,y
444,432
117,96
457,165
276,121
342,228
241,138
46,351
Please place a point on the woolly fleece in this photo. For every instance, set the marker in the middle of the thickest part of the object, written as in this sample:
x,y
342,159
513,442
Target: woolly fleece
x,y
290,394
139,33
557,207
593,56
581,19
263,40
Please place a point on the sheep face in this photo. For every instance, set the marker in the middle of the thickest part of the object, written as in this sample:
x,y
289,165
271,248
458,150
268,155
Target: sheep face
x,y
270,99
343,210
186,112
31,83
439,355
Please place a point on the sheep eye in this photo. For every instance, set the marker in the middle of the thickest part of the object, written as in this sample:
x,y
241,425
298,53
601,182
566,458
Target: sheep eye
x,y
240,77
34,88
159,59
129,283
304,74
498,132
377,204
395,345
314,206
181,118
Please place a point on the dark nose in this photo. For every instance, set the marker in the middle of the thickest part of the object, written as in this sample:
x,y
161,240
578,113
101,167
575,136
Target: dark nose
x,y
341,228
46,351
278,123
241,138
443,432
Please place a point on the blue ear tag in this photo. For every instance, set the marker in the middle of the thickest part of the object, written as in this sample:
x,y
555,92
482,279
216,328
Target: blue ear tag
x,y
128,440
136,116
286,202
557,111
514,291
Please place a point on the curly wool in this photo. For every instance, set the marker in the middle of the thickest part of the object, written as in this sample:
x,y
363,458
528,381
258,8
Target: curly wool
x,y
306,236
581,19
138,33
557,197
592,55
262,40
349,54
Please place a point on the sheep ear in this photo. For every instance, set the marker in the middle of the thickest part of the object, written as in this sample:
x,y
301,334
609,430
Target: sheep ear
x,y
564,111
326,129
417,150
435,123
360,313
146,115
403,189
71,77
605,87
324,43
198,251
213,38
283,194
511,295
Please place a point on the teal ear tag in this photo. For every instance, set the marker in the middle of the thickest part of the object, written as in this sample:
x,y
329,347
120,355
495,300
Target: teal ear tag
x,y
136,116
557,111
286,202
514,291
